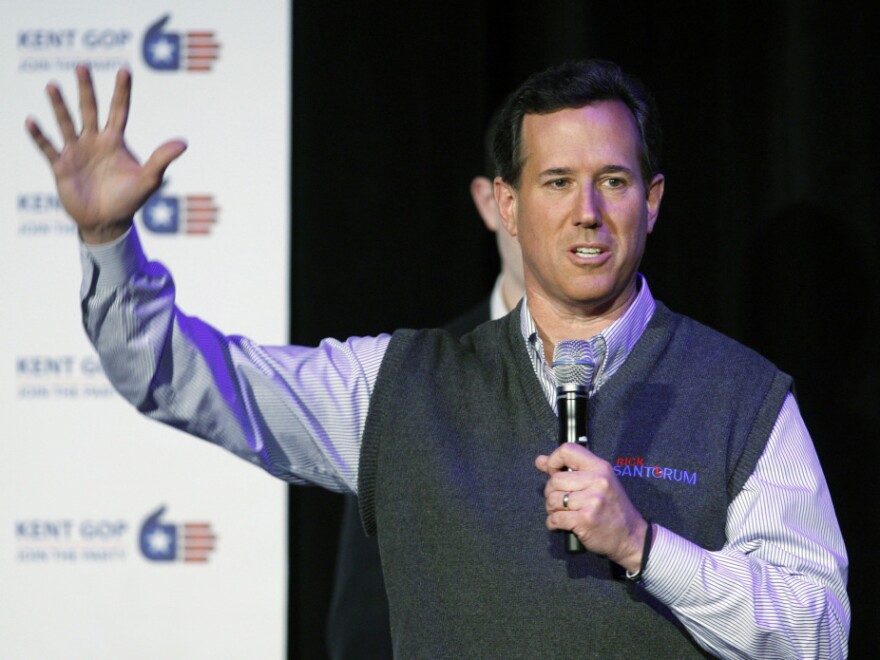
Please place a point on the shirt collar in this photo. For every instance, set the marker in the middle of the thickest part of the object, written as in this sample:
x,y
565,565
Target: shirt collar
x,y
611,346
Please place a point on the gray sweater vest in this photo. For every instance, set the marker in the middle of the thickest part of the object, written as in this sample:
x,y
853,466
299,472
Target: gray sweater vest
x,y
447,480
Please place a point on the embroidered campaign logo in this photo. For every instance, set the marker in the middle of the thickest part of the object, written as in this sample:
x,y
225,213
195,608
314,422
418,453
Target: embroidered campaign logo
x,y
636,467
170,542
195,215
188,50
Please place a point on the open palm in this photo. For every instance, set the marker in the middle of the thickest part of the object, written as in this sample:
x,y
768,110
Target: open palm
x,y
100,182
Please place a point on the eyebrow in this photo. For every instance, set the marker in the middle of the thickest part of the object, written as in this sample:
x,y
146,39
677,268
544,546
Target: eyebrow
x,y
562,171
556,171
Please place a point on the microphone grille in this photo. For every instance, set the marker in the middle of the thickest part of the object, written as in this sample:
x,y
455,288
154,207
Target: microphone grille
x,y
573,362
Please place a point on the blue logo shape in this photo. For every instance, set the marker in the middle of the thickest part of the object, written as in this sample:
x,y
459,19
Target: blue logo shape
x,y
158,540
162,214
190,50
161,50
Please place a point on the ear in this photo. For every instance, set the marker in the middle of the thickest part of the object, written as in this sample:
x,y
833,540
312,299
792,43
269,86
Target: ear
x,y
505,198
483,194
655,196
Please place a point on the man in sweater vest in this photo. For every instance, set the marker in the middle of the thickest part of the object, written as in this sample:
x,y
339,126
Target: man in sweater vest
x,y
705,516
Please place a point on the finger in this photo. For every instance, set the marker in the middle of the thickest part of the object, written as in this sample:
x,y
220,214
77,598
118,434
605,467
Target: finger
x,y
121,101
158,162
565,520
88,107
163,156
562,500
65,123
44,145
570,455
578,480
552,500
566,482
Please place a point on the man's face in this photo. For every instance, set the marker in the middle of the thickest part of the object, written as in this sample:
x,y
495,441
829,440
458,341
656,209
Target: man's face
x,y
582,211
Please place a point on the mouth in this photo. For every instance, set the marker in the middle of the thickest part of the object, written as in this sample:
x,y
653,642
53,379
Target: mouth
x,y
591,254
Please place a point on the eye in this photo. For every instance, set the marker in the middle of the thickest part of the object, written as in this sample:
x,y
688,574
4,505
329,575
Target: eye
x,y
616,182
558,184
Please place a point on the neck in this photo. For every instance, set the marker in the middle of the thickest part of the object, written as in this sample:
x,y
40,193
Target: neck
x,y
512,290
556,322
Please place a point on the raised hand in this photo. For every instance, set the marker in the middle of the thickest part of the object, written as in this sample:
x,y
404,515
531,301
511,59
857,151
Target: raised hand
x,y
100,182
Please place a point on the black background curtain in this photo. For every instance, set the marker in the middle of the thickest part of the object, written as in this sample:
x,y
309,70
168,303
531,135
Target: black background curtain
x,y
768,228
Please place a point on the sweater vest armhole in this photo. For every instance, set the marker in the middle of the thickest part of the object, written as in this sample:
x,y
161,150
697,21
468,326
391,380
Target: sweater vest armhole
x,y
759,434
380,401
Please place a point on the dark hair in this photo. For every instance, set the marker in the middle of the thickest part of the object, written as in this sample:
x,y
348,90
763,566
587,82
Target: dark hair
x,y
574,85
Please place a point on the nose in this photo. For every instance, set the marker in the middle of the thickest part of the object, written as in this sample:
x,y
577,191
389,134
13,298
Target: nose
x,y
588,214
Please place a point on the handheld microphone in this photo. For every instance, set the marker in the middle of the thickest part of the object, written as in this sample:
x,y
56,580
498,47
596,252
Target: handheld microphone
x,y
574,366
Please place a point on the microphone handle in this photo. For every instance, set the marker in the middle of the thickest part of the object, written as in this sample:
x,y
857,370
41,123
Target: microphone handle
x,y
573,404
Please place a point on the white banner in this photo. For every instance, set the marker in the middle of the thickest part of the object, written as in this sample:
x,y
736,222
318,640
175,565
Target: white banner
x,y
121,538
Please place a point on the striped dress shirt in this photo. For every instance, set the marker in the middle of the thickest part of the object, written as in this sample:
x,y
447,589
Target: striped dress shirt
x,y
777,589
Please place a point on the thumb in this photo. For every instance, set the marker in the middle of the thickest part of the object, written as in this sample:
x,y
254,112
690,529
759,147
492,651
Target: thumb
x,y
162,157
541,463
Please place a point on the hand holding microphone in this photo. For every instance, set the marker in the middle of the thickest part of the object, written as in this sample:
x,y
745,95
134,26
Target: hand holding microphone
x,y
582,484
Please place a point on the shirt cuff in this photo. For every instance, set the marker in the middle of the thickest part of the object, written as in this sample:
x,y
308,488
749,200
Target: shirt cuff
x,y
114,262
672,565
